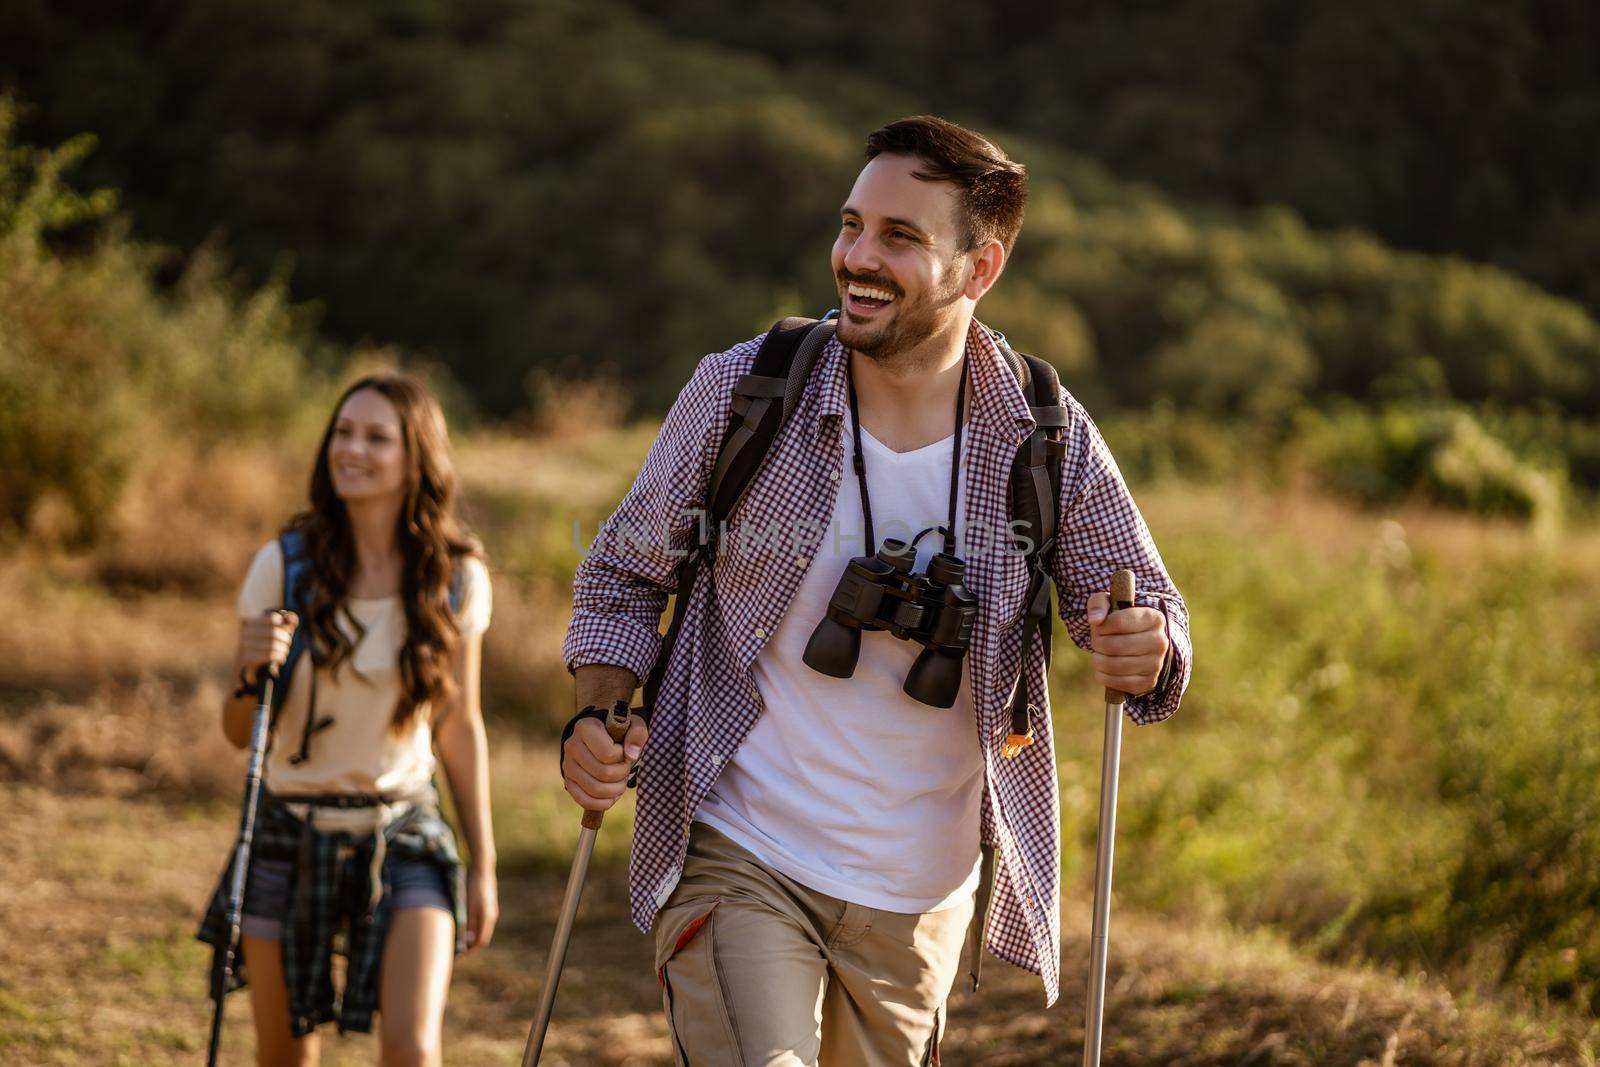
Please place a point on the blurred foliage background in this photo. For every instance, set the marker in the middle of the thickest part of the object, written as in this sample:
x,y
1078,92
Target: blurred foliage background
x,y
1240,206
1327,275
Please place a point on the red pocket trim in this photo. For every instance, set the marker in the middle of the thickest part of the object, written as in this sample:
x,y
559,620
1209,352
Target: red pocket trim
x,y
688,933
684,938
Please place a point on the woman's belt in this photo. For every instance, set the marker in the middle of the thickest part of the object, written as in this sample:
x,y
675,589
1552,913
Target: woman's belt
x,y
349,801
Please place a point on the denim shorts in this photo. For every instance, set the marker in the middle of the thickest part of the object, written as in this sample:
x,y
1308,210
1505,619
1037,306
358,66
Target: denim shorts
x,y
413,883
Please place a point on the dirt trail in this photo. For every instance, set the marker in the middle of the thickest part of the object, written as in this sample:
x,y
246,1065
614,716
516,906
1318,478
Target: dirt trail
x,y
97,966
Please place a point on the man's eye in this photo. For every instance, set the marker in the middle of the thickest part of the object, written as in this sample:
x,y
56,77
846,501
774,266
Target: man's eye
x,y
850,224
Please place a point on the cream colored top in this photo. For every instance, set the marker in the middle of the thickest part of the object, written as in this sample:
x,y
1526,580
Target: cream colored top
x,y
359,753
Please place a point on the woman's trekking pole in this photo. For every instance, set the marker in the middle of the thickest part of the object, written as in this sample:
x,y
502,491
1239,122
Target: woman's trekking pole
x,y
222,971
617,727
1105,838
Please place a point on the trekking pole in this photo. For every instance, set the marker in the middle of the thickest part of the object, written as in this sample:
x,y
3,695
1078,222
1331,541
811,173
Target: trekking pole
x,y
223,973
617,727
1105,839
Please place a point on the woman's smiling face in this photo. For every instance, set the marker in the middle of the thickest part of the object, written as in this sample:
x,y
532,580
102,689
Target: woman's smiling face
x,y
367,452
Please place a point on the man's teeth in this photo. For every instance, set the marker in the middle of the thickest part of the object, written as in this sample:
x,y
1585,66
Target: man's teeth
x,y
867,292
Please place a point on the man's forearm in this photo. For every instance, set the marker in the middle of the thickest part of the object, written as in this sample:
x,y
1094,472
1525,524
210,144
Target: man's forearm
x,y
603,684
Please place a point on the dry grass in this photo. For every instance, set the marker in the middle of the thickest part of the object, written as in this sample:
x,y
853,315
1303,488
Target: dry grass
x,y
70,635
1339,532
584,465
114,885
119,792
525,679
151,738
189,521
151,599
566,408
537,502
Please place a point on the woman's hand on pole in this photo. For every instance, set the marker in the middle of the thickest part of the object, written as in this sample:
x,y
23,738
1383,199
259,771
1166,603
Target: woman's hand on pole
x,y
265,640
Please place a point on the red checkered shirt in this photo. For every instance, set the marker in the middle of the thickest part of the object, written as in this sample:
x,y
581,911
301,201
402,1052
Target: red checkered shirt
x,y
708,700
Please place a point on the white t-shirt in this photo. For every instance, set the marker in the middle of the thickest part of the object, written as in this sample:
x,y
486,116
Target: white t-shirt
x,y
847,785
359,753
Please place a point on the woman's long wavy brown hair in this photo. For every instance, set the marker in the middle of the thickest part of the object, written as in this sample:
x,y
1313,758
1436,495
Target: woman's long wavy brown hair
x,y
433,543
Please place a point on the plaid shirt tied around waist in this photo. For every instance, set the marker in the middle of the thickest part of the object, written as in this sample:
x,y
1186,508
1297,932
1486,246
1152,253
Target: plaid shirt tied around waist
x,y
339,886
709,701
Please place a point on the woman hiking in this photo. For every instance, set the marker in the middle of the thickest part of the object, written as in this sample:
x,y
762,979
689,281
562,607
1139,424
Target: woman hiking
x,y
374,601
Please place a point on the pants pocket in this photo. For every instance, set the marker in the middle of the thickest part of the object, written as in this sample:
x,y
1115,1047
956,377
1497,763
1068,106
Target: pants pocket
x,y
693,993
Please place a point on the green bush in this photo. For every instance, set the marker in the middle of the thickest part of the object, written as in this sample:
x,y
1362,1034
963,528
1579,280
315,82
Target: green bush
x,y
63,429
1444,455
1164,443
98,367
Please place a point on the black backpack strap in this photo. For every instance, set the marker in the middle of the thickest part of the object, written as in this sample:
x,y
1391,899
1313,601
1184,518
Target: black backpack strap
x,y
762,403
1036,472
1035,509
763,400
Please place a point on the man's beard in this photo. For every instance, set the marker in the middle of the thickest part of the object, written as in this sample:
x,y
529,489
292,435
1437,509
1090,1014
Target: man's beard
x,y
910,326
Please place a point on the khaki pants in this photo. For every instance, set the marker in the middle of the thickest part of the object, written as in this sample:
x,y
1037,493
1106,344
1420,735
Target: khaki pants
x,y
758,971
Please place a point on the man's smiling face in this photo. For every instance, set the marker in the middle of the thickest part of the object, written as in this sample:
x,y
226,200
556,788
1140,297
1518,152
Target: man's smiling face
x,y
901,261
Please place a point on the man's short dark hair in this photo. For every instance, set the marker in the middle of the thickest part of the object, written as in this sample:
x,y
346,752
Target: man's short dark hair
x,y
993,187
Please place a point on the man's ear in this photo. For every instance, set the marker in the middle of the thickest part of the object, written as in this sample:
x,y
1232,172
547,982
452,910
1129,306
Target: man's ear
x,y
987,262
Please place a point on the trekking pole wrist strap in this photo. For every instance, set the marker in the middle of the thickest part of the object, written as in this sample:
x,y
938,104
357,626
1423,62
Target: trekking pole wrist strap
x,y
249,683
590,711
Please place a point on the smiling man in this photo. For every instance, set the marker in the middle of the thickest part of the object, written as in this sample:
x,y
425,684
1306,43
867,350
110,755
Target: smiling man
x,y
814,799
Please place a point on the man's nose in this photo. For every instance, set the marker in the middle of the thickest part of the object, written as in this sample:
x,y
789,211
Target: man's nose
x,y
861,256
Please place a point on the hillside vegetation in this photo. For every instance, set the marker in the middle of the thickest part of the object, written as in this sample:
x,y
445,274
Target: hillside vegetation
x,y
597,190
1444,125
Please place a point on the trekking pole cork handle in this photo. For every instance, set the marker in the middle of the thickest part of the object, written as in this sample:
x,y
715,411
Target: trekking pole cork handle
x,y
617,728
1122,585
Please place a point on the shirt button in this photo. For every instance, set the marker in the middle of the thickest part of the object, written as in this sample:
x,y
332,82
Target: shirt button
x,y
799,561
834,474
760,633
716,759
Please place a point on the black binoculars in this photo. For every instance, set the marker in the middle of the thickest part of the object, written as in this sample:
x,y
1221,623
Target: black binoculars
x,y
881,592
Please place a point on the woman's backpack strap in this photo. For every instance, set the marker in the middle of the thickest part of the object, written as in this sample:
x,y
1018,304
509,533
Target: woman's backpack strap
x,y
296,569
456,570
